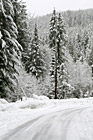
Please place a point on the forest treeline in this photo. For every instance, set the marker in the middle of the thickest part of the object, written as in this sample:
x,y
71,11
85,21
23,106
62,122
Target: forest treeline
x,y
79,46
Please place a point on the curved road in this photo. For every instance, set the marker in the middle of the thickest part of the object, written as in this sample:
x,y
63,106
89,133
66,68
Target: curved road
x,y
57,125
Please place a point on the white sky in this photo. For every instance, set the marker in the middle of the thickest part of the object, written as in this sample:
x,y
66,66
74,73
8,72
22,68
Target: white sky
x,y
42,7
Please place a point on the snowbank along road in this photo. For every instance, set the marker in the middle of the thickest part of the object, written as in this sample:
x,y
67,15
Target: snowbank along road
x,y
67,124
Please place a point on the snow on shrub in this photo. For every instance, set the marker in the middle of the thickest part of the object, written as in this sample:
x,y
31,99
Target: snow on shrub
x,y
40,97
3,101
42,101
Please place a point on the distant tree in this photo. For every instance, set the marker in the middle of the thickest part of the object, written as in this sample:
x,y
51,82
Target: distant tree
x,y
78,45
71,47
85,44
90,59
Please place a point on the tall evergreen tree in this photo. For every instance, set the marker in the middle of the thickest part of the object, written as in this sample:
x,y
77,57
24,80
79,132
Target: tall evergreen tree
x,y
9,48
61,48
57,43
35,63
53,46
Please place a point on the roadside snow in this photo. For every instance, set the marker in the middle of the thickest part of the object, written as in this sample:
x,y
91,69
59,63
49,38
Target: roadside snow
x,y
14,114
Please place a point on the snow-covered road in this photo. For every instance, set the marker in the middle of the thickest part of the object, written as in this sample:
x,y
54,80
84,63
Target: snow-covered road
x,y
67,124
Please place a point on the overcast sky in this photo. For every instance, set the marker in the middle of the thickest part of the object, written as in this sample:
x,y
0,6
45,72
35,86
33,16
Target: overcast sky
x,y
42,7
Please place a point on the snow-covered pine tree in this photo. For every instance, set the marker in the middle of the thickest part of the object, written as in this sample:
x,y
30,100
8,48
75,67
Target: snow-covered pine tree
x,y
90,59
53,46
58,39
35,63
61,49
9,48
63,81
85,45
70,45
78,45
3,58
20,19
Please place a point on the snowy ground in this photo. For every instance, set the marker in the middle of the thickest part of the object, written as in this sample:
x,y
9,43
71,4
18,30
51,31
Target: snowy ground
x,y
13,115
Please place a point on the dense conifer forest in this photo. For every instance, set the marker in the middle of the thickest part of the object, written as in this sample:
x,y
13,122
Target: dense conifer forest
x,y
50,55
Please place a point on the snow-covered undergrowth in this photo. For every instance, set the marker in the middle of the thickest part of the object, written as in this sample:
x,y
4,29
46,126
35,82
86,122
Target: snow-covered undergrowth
x,y
14,114
42,101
